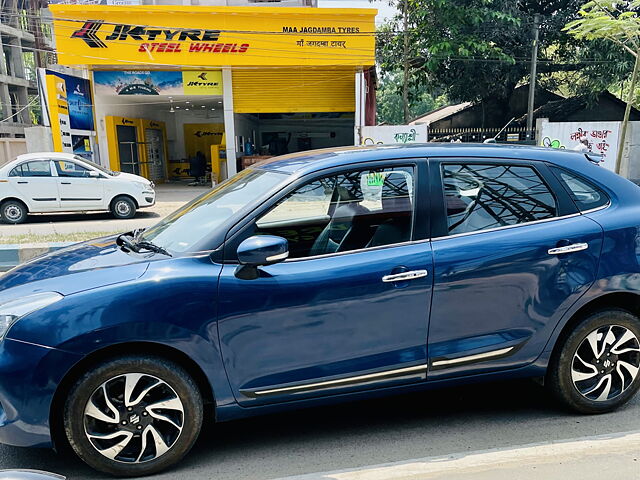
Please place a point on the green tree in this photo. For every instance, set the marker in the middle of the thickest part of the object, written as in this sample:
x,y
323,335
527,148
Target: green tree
x,y
616,22
480,49
390,102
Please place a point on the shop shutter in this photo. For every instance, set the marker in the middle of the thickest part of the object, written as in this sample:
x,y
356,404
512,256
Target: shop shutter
x,y
293,90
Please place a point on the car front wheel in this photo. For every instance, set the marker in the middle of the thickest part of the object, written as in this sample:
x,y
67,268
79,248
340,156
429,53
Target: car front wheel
x,y
123,208
133,416
13,211
597,367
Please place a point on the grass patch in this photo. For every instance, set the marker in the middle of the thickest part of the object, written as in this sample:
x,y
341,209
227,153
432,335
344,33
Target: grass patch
x,y
52,237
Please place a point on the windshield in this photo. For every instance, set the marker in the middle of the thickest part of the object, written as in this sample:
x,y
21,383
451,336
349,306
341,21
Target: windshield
x,y
95,165
185,228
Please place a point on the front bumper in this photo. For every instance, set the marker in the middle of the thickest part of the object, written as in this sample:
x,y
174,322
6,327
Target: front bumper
x,y
147,199
29,376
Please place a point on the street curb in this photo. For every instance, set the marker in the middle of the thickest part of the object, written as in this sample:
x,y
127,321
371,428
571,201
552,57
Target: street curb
x,y
15,254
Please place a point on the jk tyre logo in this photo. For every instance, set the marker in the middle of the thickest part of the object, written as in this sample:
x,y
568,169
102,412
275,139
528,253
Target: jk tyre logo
x,y
88,33
158,40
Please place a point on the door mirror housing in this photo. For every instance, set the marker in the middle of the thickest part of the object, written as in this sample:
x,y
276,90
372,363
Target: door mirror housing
x,y
94,174
260,251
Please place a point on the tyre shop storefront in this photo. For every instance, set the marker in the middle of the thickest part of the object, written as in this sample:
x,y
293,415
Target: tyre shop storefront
x,y
227,85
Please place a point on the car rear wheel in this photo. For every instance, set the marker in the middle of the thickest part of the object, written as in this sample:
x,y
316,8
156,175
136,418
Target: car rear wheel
x,y
133,416
123,207
597,368
13,211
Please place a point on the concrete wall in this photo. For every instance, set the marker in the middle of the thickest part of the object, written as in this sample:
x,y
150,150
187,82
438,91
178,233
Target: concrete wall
x,y
38,139
10,148
631,153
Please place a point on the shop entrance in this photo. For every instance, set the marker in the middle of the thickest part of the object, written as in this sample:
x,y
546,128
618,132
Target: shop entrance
x,y
128,149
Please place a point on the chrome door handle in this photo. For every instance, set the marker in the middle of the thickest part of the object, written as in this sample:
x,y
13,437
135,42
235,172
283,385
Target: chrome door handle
x,y
405,276
576,247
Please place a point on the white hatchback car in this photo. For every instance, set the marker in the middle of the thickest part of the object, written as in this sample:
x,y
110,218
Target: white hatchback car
x,y
62,182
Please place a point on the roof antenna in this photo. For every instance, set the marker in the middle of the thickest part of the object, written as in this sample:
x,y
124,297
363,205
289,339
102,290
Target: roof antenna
x,y
495,139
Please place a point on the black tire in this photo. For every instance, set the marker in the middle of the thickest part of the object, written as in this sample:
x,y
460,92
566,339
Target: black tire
x,y
123,207
175,386
584,395
13,212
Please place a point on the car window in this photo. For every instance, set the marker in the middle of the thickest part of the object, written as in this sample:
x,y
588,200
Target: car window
x,y
480,197
70,169
345,212
585,194
37,168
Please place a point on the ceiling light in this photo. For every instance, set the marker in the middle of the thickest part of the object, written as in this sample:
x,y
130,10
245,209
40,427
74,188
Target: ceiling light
x,y
187,109
187,102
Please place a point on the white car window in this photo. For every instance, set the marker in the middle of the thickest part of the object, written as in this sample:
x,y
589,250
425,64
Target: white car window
x,y
36,168
71,169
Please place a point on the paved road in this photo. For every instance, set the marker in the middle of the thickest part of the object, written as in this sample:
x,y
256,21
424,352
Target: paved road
x,y
357,435
170,197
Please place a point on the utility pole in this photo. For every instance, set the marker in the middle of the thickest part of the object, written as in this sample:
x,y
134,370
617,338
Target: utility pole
x,y
405,90
534,70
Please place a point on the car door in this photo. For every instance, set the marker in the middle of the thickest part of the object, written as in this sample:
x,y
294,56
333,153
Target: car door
x,y
511,255
78,190
37,187
349,309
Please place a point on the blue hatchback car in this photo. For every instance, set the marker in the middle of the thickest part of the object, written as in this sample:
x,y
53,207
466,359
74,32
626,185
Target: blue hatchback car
x,y
322,277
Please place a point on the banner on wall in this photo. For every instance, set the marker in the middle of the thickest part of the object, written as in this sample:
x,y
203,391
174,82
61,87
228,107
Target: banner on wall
x,y
59,113
103,35
602,138
80,104
390,134
142,82
157,82
202,82
199,137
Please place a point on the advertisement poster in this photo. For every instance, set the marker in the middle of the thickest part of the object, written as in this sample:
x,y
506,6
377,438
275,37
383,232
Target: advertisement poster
x,y
155,82
78,92
602,138
202,82
390,134
140,82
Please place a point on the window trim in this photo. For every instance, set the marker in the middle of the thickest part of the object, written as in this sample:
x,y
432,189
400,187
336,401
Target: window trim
x,y
421,205
565,206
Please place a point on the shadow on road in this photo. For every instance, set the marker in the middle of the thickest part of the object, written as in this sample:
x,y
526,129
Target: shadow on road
x,y
84,217
303,435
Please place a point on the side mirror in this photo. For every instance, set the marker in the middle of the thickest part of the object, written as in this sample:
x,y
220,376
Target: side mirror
x,y
94,174
259,251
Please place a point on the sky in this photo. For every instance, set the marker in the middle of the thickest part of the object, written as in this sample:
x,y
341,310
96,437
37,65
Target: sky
x,y
384,9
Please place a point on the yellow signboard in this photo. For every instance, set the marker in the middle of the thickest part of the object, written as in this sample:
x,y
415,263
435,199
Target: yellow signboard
x,y
213,36
202,82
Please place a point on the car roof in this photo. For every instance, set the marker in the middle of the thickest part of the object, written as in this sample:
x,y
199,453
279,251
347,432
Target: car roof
x,y
310,161
40,155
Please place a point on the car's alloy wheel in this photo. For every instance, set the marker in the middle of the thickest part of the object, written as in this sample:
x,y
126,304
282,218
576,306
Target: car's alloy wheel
x,y
606,363
596,367
133,416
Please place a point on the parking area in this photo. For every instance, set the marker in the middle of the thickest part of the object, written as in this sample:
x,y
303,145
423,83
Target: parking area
x,y
170,196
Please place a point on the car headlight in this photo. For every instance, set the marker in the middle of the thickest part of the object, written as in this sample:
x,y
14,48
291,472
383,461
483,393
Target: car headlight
x,y
141,186
14,310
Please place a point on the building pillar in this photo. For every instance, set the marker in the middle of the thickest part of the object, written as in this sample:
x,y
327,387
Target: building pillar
x,y
229,120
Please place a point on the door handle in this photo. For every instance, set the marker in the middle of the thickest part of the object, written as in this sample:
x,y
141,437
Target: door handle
x,y
576,247
22,183
65,183
405,276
